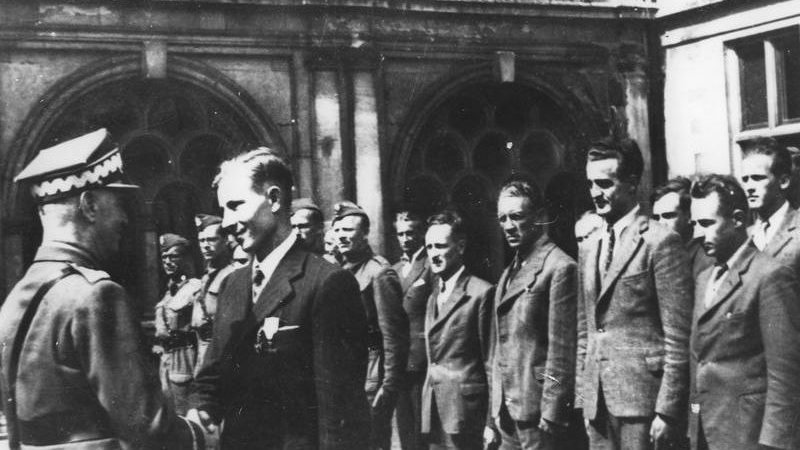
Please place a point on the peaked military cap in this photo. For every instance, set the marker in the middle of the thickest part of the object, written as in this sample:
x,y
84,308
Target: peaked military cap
x,y
202,221
304,203
168,240
86,162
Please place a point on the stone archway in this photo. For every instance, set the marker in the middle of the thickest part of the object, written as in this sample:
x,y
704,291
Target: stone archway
x,y
473,137
172,132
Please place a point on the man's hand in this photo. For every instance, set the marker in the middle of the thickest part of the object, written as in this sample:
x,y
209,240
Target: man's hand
x,y
661,432
491,438
203,419
550,427
383,399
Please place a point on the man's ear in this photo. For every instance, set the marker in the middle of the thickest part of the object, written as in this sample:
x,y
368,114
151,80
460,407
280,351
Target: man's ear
x,y
462,246
784,181
739,218
88,205
274,196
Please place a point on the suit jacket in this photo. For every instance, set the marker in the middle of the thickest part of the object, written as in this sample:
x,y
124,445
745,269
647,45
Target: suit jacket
x,y
306,388
83,369
416,290
785,244
534,337
745,356
458,344
634,324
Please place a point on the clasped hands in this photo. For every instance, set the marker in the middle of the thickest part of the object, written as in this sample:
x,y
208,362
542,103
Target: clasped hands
x,y
210,429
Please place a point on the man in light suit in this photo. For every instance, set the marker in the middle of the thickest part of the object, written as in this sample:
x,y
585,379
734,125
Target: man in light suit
x,y
534,323
766,177
635,303
457,324
286,365
671,207
744,352
415,279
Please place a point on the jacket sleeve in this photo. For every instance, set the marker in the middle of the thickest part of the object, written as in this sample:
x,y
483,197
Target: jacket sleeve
x,y
109,342
779,317
675,295
582,339
393,322
339,334
558,391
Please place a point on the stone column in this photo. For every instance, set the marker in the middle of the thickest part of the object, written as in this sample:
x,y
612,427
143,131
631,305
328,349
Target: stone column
x,y
637,113
326,138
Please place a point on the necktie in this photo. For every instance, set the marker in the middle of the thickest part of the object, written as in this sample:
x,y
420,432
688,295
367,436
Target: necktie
x,y
258,281
719,271
760,236
173,288
406,267
609,249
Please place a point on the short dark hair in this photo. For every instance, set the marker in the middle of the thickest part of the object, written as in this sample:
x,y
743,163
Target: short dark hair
x,y
625,151
265,165
452,218
781,158
520,185
407,215
315,216
679,185
730,193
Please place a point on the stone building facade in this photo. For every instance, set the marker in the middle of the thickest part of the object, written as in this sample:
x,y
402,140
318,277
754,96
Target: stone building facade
x,y
427,103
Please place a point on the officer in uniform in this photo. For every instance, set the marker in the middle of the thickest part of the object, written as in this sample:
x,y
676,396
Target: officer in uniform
x,y
176,342
217,256
387,323
308,224
73,373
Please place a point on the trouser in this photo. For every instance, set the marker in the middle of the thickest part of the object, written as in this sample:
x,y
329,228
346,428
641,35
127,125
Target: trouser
x,y
409,412
438,439
609,432
380,435
176,373
522,435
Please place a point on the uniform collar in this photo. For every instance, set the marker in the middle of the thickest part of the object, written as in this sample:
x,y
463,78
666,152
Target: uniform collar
x,y
66,252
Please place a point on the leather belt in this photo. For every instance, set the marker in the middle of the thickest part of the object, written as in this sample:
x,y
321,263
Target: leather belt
x,y
178,339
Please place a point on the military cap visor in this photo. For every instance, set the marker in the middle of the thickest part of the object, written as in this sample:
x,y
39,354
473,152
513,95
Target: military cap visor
x,y
86,162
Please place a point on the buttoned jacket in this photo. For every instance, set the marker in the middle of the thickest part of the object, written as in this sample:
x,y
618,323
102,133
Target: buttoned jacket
x,y
784,246
416,290
457,336
305,388
534,337
634,323
745,356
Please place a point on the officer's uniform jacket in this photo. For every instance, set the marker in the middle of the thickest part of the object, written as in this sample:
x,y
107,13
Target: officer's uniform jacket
x,y
745,356
173,329
83,373
205,305
534,337
458,347
634,323
387,324
416,290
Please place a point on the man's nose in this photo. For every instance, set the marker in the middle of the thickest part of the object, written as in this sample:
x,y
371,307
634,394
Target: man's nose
x,y
227,221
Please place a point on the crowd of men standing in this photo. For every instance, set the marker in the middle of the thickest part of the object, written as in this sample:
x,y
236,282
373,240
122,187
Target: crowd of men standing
x,y
672,329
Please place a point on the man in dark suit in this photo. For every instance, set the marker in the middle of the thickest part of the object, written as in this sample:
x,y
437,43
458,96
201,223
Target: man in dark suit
x,y
457,327
766,177
744,352
287,360
635,303
671,208
534,321
74,373
415,279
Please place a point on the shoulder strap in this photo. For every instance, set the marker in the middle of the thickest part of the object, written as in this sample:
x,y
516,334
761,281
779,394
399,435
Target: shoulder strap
x,y
16,350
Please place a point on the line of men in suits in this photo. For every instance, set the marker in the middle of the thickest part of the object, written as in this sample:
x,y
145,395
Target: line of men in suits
x,y
652,345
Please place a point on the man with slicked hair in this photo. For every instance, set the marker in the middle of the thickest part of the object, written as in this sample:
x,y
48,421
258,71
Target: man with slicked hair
x,y
286,364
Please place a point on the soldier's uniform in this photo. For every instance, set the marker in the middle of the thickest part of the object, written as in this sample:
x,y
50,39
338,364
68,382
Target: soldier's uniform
x,y
205,309
387,325
83,380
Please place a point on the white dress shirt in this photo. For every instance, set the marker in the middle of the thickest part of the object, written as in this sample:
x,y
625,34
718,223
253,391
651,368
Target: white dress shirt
x,y
761,237
619,227
715,282
270,262
446,288
406,269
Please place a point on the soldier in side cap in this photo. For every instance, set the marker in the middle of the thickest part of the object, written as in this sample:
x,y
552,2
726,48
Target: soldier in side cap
x,y
74,374
217,256
176,340
382,297
308,224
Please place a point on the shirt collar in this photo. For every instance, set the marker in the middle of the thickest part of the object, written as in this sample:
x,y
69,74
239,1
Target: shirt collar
x,y
450,284
737,255
416,254
270,262
776,219
621,224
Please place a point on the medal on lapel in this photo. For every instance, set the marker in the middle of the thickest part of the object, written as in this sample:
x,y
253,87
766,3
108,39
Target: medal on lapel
x,y
267,331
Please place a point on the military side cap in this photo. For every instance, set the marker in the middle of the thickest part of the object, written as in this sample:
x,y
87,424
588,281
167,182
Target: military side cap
x,y
347,208
86,162
304,203
202,221
168,240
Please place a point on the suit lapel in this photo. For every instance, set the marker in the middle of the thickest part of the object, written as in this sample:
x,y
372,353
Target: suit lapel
x,y
456,297
235,308
733,280
784,234
530,270
417,266
631,241
590,252
279,287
